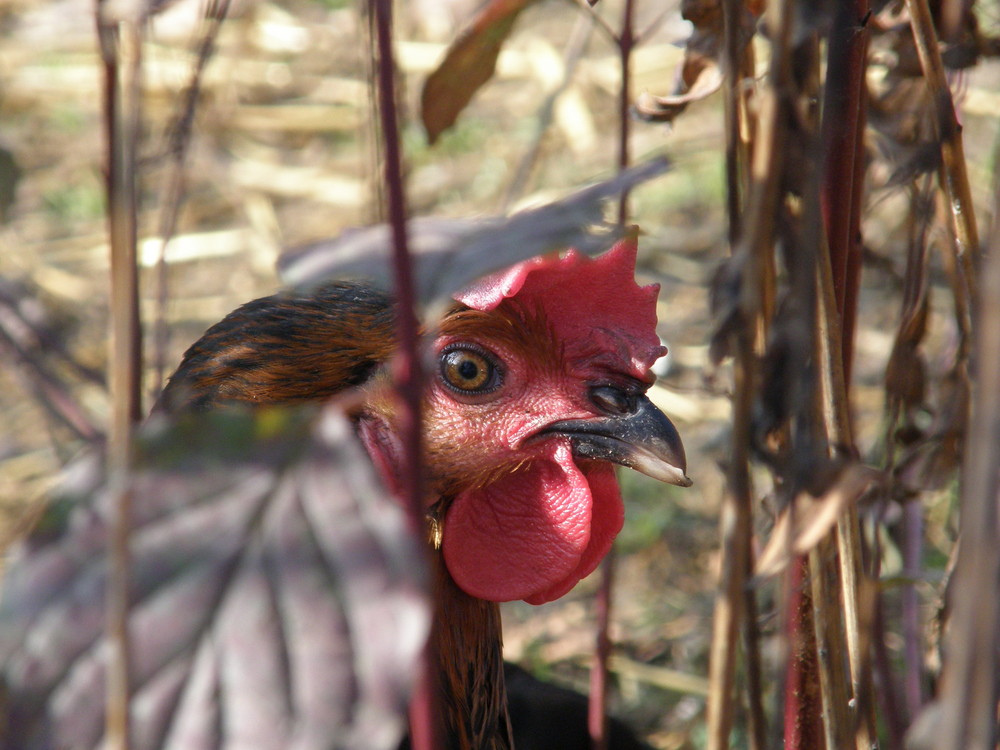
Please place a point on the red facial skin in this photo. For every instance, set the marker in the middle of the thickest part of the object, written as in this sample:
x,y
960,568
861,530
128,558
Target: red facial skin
x,y
526,520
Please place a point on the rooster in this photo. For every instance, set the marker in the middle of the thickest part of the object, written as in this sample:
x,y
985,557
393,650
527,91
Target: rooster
x,y
537,390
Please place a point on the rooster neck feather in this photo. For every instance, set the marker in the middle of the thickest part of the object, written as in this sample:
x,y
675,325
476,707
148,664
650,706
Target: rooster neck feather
x,y
287,348
471,680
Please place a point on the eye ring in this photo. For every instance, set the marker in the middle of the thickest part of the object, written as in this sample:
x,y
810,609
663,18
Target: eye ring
x,y
470,370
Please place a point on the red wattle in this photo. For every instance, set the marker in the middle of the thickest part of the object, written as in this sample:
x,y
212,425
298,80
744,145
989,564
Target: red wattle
x,y
536,532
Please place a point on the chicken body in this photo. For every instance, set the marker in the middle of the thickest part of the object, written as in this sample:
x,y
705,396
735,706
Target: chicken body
x,y
537,390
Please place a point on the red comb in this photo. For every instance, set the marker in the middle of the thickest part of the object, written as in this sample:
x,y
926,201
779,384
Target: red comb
x,y
592,305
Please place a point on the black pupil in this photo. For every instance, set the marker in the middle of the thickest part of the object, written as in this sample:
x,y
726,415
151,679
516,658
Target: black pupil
x,y
468,369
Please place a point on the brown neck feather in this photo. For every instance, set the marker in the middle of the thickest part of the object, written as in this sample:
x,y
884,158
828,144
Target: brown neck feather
x,y
468,643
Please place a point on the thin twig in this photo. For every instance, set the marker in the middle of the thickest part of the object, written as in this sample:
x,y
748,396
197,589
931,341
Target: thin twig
x,y
597,713
121,50
49,390
626,43
597,723
954,177
180,141
575,47
734,62
603,25
425,730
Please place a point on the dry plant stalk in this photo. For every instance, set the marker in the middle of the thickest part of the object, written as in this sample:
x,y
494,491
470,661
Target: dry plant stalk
x,y
825,623
753,249
121,50
954,177
967,708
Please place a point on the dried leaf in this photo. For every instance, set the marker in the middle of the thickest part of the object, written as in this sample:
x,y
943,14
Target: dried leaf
x,y
808,519
905,374
786,374
449,254
726,312
700,77
469,64
700,74
933,463
277,598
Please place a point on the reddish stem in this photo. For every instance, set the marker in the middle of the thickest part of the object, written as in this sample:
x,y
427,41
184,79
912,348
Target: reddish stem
x,y
597,719
843,167
626,43
803,705
840,202
425,731
597,715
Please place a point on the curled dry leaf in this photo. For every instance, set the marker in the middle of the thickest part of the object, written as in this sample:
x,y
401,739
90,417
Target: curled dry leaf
x,y
277,597
700,74
806,520
468,64
707,79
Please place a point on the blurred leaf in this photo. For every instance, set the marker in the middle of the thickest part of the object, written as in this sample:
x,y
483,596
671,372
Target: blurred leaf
x,y
469,64
727,314
805,522
787,373
277,598
449,254
931,463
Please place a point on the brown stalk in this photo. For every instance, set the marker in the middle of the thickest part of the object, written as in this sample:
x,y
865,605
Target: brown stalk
x,y
834,693
121,50
839,276
734,522
737,61
835,587
953,176
968,697
755,245
842,130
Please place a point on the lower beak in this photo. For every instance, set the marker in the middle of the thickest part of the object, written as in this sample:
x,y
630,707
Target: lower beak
x,y
643,439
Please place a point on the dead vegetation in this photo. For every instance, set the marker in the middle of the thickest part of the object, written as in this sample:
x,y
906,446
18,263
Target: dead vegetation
x,y
825,188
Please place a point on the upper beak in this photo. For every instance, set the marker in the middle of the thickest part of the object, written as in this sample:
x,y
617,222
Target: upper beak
x,y
635,434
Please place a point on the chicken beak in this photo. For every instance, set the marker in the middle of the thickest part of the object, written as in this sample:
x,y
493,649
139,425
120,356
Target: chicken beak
x,y
641,438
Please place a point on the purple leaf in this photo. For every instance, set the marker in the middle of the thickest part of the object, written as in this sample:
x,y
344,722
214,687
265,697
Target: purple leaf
x,y
278,598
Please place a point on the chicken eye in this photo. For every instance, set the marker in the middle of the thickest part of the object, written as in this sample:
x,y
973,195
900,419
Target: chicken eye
x,y
470,370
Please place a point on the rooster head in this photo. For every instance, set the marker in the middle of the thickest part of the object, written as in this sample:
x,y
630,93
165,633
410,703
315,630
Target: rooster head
x,y
539,389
